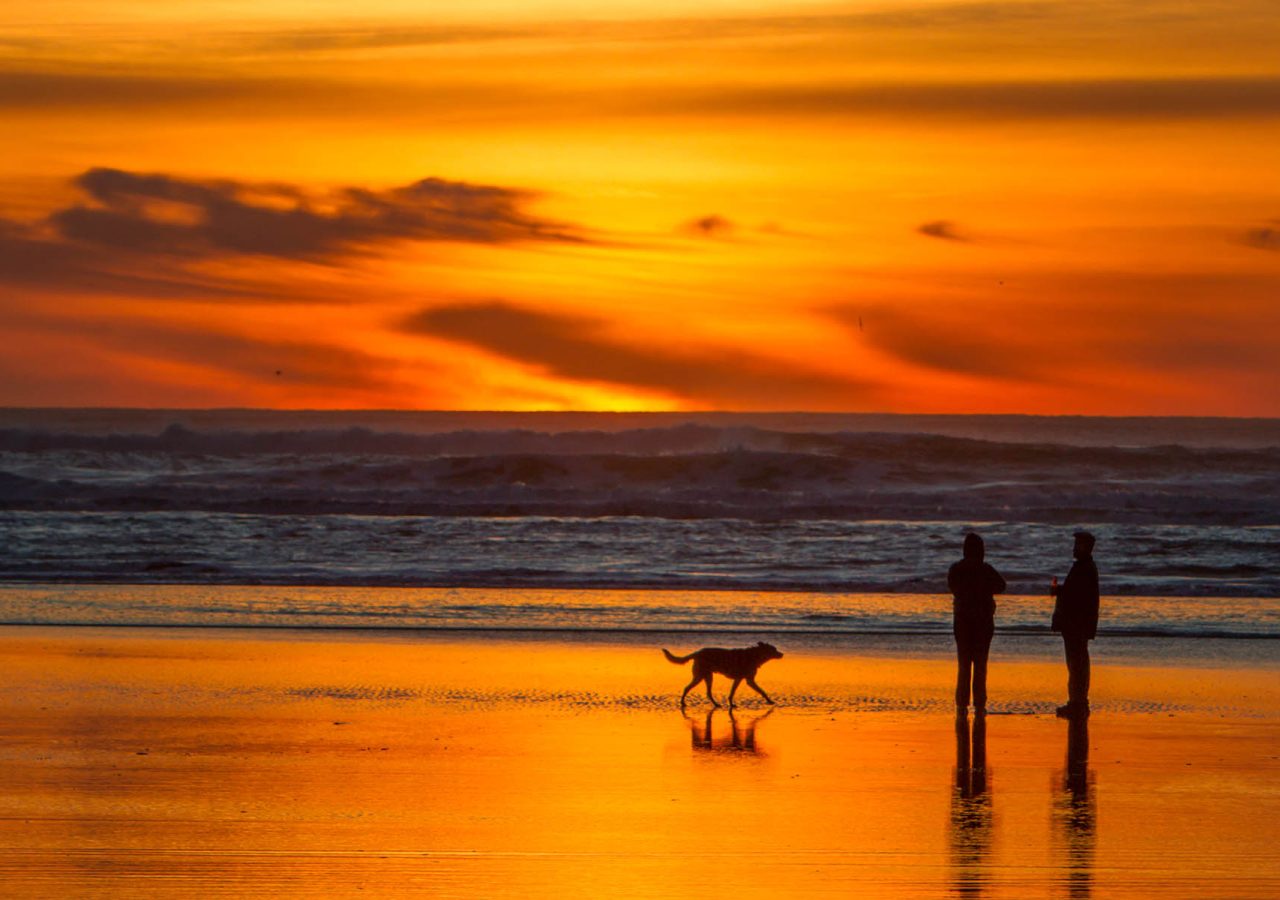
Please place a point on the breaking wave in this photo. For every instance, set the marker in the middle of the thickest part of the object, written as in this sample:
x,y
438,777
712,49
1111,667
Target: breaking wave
x,y
688,471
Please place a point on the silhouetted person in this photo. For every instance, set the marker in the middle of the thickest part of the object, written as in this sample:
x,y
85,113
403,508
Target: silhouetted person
x,y
973,585
970,831
1075,616
1075,812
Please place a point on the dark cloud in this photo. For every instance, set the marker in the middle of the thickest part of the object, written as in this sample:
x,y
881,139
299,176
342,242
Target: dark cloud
x,y
943,229
146,235
279,98
1265,238
156,213
714,226
578,348
945,341
34,259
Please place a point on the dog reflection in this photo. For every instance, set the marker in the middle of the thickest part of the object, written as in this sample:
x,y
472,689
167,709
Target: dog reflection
x,y
1075,812
970,832
739,737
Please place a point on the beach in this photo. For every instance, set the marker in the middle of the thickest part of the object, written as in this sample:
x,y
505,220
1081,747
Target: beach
x,y
176,762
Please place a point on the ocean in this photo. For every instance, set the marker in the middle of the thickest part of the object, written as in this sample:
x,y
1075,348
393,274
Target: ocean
x,y
814,525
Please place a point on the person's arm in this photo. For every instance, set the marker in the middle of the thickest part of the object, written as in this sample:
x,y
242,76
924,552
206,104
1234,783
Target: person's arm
x,y
995,581
1069,590
1091,600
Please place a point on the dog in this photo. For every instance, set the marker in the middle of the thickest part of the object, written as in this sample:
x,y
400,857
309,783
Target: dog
x,y
740,665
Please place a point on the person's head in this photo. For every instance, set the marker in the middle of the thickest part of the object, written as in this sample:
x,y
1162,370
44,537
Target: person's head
x,y
1084,545
974,549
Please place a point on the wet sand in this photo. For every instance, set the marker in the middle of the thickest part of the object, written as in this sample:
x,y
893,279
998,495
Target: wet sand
x,y
176,763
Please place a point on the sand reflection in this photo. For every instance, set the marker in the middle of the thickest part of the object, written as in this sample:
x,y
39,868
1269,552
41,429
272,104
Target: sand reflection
x,y
1075,813
733,733
970,832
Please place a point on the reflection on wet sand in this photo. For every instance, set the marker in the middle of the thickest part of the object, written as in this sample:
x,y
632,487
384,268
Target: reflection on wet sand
x,y
740,737
1075,812
970,832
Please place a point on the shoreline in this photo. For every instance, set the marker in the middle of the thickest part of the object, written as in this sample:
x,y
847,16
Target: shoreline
x,y
702,587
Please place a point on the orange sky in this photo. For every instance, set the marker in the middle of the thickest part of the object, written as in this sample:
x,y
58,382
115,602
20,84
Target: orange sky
x,y
1006,206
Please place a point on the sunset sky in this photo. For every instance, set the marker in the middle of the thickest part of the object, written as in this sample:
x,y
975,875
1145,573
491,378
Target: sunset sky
x,y
1029,206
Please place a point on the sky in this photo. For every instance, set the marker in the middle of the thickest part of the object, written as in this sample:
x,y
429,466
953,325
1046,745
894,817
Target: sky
x,y
999,206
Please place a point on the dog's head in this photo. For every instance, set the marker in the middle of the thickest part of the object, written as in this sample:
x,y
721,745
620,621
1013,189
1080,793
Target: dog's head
x,y
768,651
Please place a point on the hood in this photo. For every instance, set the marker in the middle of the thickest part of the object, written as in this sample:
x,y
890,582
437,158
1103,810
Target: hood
x,y
974,549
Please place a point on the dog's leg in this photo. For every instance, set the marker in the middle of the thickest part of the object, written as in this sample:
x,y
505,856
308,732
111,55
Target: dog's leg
x,y
687,689
759,690
733,690
710,696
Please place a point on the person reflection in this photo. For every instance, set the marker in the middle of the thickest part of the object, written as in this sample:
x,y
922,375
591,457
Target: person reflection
x,y
970,832
740,738
1075,812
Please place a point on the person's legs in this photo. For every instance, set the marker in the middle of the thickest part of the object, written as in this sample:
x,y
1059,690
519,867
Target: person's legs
x,y
1078,669
964,665
981,651
1076,650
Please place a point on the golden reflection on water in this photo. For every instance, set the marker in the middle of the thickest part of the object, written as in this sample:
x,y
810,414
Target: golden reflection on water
x,y
971,817
1075,813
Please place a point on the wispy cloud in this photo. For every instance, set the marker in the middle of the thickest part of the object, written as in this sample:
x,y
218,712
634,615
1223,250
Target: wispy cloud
x,y
1064,328
285,96
1128,98
950,341
581,349
275,361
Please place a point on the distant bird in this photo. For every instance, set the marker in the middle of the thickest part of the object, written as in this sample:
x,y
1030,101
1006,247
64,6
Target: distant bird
x,y
279,373
859,323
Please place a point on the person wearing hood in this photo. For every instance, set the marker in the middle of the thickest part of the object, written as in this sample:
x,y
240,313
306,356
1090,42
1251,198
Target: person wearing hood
x,y
1075,617
973,584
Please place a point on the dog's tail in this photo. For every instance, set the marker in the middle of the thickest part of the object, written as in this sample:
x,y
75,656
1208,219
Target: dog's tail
x,y
678,660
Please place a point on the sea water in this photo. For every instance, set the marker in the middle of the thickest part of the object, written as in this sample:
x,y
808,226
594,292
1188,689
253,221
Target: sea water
x,y
813,524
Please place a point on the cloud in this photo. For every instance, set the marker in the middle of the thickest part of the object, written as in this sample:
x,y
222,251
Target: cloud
x,y
944,230
579,348
283,362
1062,328
712,226
149,235
158,213
273,361
948,341
1265,238
34,259
1158,98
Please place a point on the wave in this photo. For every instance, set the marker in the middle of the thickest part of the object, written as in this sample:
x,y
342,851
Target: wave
x,y
685,471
